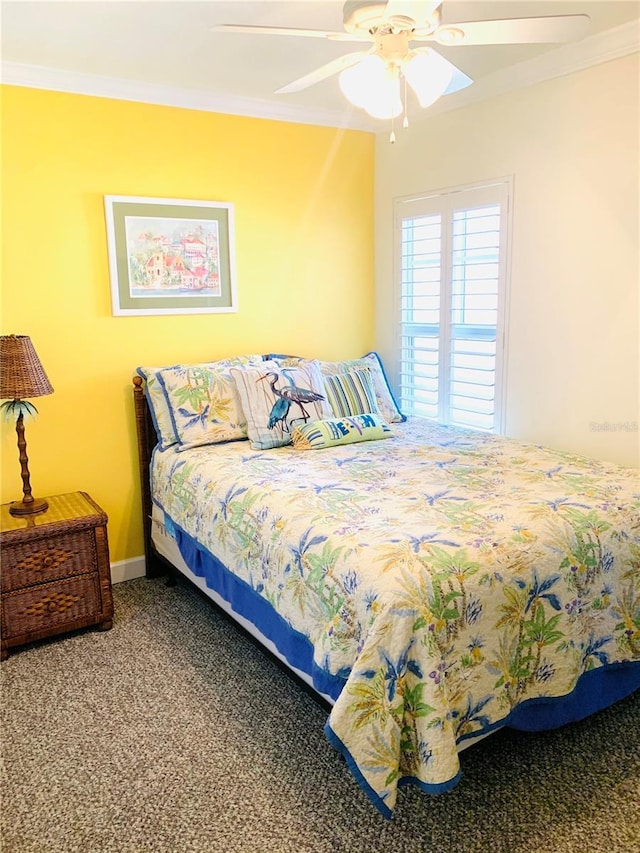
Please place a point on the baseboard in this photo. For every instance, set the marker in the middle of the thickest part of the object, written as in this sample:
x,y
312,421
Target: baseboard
x,y
127,570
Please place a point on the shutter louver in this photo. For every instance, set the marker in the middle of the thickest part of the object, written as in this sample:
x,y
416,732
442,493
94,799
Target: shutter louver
x,y
451,273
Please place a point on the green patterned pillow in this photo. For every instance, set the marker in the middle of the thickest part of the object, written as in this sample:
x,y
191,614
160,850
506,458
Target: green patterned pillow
x,y
351,393
275,399
328,433
202,401
158,406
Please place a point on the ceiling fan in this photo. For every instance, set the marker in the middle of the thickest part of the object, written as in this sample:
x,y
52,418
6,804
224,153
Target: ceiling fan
x,y
370,78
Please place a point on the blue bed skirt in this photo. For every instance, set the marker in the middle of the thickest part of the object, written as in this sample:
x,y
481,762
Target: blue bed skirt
x,y
245,601
596,689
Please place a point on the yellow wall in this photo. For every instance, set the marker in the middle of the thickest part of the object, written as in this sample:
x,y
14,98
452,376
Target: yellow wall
x,y
303,200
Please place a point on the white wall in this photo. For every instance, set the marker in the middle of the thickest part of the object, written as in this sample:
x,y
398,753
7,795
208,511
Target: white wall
x,y
572,146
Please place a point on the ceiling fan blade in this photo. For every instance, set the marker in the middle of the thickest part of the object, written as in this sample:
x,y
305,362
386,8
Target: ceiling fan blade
x,y
459,80
288,31
418,10
550,29
323,72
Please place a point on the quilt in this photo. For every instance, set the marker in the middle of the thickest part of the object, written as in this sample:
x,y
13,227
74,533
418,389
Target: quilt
x,y
443,578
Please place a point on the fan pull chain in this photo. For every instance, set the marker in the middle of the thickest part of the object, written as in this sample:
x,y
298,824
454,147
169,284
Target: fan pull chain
x,y
392,135
405,120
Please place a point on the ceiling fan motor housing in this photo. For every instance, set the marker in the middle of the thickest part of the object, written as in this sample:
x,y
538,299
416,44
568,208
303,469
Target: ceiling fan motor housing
x,y
362,15
365,16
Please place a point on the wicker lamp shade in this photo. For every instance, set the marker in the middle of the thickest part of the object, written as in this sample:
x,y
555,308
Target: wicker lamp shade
x,y
21,374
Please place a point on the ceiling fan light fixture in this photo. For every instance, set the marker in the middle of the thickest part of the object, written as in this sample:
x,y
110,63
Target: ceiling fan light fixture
x,y
428,75
360,82
373,86
386,103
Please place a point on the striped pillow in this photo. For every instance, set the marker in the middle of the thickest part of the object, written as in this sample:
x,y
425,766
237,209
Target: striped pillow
x,y
351,393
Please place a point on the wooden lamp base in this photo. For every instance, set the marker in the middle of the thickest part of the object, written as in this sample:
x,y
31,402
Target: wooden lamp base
x,y
28,505
31,507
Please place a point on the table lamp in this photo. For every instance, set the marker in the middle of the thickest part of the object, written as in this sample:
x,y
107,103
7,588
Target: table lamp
x,y
22,375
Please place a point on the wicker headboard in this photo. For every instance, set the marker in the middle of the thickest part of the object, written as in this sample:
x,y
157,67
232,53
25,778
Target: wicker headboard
x,y
147,440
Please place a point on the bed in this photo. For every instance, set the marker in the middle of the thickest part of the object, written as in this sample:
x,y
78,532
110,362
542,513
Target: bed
x,y
431,584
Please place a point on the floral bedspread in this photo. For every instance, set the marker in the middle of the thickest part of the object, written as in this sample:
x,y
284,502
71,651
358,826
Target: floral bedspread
x,y
450,574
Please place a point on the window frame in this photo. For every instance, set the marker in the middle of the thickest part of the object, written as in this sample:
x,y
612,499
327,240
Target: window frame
x,y
445,202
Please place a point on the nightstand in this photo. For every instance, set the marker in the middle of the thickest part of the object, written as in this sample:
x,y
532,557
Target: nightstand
x,y
55,570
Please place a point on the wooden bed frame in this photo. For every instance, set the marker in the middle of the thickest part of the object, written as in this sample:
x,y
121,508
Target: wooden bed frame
x,y
155,564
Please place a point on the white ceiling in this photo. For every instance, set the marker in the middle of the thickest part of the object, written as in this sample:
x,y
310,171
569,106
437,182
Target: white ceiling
x,y
167,52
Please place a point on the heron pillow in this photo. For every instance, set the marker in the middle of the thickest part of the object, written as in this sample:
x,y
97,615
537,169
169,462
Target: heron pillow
x,y
274,399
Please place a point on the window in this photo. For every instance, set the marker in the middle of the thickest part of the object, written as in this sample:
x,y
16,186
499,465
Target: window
x,y
452,264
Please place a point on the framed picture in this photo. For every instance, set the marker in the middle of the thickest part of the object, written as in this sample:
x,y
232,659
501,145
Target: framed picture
x,y
170,256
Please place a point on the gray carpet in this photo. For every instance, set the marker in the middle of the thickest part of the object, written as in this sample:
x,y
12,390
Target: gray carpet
x,y
172,732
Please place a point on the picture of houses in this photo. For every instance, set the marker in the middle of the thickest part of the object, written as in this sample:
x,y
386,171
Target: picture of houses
x,y
172,256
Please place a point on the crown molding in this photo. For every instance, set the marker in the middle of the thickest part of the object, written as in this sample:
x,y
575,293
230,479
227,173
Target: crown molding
x,y
59,80
603,47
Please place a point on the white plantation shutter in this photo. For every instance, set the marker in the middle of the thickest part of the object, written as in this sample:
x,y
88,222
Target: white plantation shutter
x,y
452,266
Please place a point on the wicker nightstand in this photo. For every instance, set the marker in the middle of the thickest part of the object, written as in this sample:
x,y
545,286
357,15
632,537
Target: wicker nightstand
x,y
55,570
